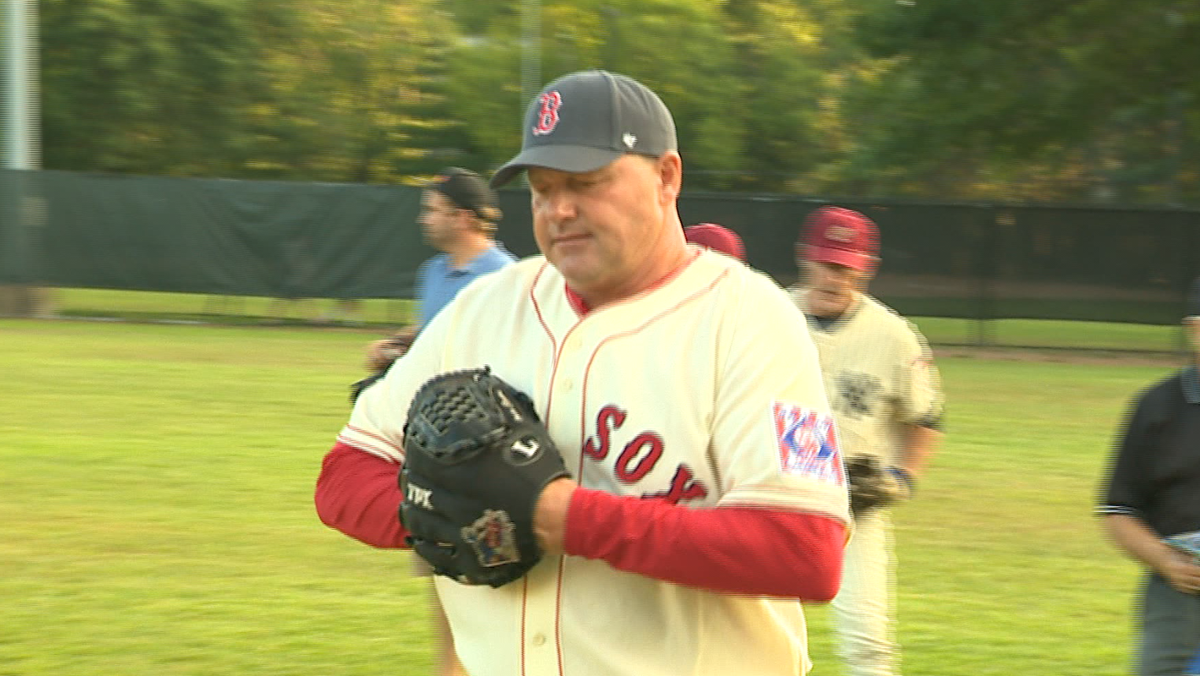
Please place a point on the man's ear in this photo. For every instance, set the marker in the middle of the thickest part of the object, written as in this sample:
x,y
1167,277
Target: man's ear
x,y
670,172
465,219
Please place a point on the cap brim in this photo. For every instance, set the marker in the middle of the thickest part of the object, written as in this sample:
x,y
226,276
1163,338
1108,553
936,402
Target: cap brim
x,y
850,259
575,159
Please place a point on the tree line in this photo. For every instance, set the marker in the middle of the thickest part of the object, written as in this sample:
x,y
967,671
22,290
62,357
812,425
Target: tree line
x,y
1006,100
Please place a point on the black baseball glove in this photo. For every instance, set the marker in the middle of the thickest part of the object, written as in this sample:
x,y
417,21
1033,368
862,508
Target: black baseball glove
x,y
476,460
873,486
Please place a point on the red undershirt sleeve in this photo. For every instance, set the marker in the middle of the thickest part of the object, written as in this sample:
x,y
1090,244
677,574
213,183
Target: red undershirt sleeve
x,y
739,550
357,494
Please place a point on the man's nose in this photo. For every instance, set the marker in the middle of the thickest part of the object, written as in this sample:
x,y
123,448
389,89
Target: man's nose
x,y
561,205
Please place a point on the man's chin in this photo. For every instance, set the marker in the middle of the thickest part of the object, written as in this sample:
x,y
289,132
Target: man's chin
x,y
824,304
580,274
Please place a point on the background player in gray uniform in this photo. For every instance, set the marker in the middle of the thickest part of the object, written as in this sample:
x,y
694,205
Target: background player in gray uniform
x,y
887,404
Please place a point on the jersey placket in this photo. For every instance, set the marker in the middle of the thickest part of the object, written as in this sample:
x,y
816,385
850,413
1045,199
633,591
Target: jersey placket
x,y
542,649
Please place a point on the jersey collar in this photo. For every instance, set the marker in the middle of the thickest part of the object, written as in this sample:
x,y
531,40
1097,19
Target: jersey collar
x,y
582,309
830,324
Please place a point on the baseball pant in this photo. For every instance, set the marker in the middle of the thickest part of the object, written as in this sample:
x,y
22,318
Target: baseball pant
x,y
863,608
1170,631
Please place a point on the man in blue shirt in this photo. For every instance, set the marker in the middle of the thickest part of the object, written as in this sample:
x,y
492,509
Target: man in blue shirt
x,y
458,216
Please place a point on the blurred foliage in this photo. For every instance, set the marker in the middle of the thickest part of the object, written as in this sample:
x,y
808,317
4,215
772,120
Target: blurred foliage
x,y
1020,100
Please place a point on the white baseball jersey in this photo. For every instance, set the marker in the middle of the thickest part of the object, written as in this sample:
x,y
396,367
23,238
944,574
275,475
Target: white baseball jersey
x,y
879,376
709,377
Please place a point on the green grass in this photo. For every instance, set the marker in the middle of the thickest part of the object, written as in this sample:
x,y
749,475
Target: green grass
x,y
237,310
157,508
1053,333
157,514
200,308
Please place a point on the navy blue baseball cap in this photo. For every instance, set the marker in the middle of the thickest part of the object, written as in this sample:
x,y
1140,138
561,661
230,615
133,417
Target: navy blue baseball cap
x,y
467,190
585,120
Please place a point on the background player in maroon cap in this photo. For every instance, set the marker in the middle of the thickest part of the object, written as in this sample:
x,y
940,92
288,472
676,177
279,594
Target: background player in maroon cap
x,y
887,405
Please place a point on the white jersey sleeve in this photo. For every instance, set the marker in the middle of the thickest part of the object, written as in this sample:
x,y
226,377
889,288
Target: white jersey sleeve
x,y
919,398
775,417
377,422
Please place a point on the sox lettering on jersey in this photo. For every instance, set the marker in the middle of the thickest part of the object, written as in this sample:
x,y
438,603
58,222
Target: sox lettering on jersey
x,y
638,457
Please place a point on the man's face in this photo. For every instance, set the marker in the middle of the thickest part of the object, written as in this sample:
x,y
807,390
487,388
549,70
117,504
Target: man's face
x,y
832,287
604,229
440,219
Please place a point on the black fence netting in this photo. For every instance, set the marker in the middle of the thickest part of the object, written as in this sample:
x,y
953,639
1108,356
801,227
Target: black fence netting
x,y
306,240
287,240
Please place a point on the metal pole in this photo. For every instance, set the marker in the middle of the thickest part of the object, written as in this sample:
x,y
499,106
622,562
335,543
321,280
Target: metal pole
x,y
20,101
22,210
531,50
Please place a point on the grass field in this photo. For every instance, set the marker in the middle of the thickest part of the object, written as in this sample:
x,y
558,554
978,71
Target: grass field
x,y
157,514
236,310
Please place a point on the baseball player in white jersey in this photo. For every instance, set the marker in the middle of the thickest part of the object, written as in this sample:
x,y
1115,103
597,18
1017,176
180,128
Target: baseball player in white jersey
x,y
887,401
707,492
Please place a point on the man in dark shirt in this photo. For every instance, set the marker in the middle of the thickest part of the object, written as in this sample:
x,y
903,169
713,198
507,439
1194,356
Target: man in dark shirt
x,y
1152,494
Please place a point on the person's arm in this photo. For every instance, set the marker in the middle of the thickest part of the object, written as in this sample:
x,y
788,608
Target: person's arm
x,y
359,494
1141,542
921,404
735,550
920,444
1127,490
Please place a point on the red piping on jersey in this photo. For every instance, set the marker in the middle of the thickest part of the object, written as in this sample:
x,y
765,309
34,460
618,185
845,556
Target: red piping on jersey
x,y
524,606
577,303
387,442
537,309
583,404
558,595
554,347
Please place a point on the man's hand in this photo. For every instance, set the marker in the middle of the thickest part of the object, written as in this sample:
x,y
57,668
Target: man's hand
x,y
550,515
1182,572
381,353
873,486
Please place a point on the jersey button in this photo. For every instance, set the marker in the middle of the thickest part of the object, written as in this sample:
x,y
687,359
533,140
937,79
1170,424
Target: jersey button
x,y
574,343
539,639
568,384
